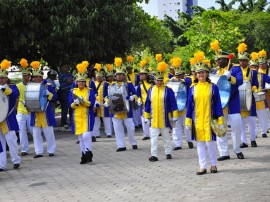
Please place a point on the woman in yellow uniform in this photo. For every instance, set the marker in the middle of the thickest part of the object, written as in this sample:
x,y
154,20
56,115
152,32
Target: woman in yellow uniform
x,y
203,105
81,101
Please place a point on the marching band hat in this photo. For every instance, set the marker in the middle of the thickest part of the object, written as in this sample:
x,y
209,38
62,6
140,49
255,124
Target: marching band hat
x,y
242,55
144,67
36,69
161,70
254,59
200,64
5,64
24,67
118,66
100,72
262,57
109,70
81,68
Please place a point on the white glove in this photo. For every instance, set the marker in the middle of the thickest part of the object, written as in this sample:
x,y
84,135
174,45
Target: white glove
x,y
174,119
147,121
139,104
76,101
81,99
131,98
106,104
227,74
47,92
97,105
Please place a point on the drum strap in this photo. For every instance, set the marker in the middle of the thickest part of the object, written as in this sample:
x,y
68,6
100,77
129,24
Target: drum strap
x,y
11,111
99,85
248,71
128,77
144,87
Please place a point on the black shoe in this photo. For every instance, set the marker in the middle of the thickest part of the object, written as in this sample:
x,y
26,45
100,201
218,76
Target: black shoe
x,y
16,166
78,142
190,145
89,155
94,139
51,154
121,149
243,145
201,172
222,158
134,147
177,148
109,136
264,135
168,156
37,156
24,153
146,138
213,170
1,170
253,144
159,134
240,155
97,136
83,159
153,159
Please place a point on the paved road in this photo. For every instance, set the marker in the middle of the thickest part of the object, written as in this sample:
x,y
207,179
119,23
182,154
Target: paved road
x,y
129,176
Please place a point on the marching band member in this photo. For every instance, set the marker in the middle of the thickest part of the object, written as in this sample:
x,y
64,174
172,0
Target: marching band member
x,y
101,111
81,101
262,106
180,129
192,62
125,117
43,121
249,116
203,105
160,101
23,116
232,111
9,126
142,90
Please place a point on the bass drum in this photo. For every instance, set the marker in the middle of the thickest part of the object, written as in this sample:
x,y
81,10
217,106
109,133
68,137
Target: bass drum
x,y
117,98
4,106
35,97
180,92
224,87
245,93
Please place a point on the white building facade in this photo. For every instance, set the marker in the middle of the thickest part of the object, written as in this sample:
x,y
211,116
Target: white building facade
x,y
160,8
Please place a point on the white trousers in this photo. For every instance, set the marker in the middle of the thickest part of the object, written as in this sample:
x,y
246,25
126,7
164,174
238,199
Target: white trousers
x,y
235,121
268,115
11,139
251,126
154,133
179,131
38,140
24,125
263,120
85,142
146,128
136,117
120,134
212,153
107,126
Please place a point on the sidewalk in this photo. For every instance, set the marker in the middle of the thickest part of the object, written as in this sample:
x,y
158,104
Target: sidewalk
x,y
129,176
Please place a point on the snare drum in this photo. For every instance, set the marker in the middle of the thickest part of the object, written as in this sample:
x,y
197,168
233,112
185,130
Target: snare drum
x,y
180,92
117,98
4,106
224,88
245,93
35,97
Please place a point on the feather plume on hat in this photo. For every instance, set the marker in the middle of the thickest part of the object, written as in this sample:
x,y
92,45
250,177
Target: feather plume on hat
x,y
109,67
215,46
177,61
199,55
35,65
262,53
98,66
162,66
24,63
81,68
130,58
5,64
117,62
158,57
254,56
242,47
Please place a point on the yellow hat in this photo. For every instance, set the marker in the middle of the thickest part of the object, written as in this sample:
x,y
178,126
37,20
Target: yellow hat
x,y
24,67
219,53
36,71
130,60
100,72
161,70
5,64
176,63
200,65
192,63
109,70
254,59
118,66
262,57
144,67
242,55
81,68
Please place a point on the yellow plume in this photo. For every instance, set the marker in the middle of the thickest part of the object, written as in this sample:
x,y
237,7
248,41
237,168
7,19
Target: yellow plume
x,y
158,57
171,60
109,67
199,55
262,53
5,64
215,45
254,56
242,47
85,63
143,63
162,66
130,58
177,62
35,65
81,68
24,63
192,61
118,62
98,66
207,62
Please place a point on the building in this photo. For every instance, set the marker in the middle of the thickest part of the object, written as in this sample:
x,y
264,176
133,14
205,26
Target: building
x,y
160,8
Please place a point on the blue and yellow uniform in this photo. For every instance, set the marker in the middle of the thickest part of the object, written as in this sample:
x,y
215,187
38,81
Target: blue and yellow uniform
x,y
102,91
142,92
89,83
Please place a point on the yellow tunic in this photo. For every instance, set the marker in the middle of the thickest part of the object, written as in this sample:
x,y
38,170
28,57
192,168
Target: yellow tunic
x,y
132,77
144,94
21,108
100,98
81,112
202,100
